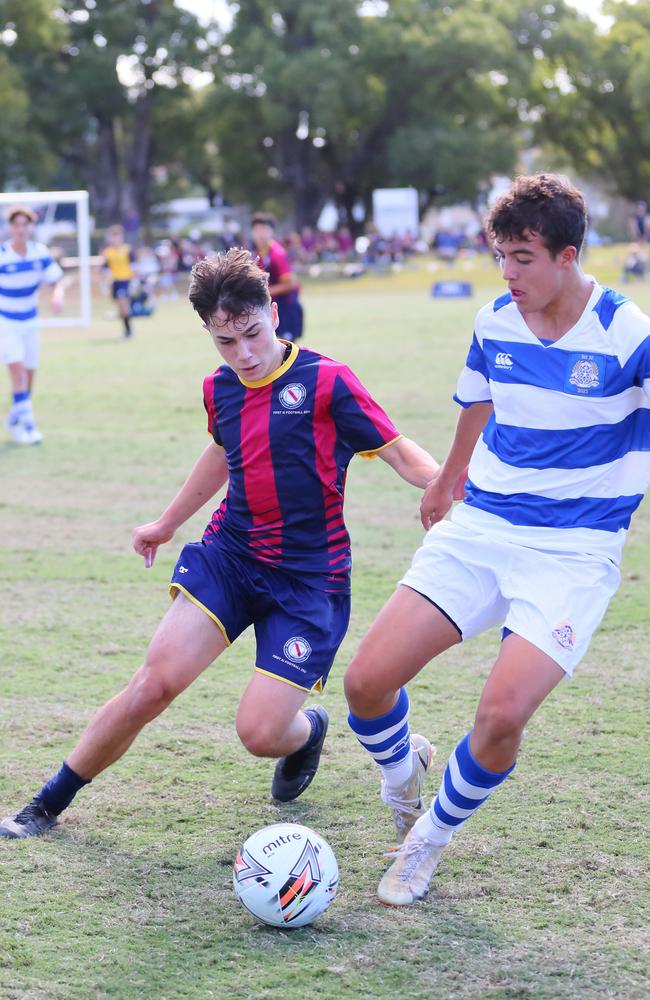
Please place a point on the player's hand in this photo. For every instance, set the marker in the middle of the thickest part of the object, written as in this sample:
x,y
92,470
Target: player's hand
x,y
57,304
147,538
436,501
459,485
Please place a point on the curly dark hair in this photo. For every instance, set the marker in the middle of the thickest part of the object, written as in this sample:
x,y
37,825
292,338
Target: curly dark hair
x,y
232,282
546,204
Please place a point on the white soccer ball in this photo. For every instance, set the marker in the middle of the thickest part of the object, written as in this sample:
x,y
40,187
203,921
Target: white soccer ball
x,y
286,875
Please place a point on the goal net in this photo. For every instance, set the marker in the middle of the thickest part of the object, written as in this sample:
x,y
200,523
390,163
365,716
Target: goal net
x,y
64,227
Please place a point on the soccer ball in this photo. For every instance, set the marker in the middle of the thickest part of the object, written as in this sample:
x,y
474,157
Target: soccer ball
x,y
286,875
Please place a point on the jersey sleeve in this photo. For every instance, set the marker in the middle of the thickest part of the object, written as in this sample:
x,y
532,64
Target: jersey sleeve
x,y
645,369
359,420
52,272
473,382
279,263
210,409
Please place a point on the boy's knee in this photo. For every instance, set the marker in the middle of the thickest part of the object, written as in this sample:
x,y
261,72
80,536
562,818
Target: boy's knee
x,y
499,721
365,698
149,694
258,736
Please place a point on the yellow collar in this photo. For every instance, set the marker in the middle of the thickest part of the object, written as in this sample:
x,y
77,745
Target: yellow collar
x,y
286,364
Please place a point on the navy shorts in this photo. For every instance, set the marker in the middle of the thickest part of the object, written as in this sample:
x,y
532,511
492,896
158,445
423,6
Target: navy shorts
x,y
298,628
121,289
290,319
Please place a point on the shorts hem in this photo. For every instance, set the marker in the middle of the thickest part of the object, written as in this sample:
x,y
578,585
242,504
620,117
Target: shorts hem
x,y
566,668
436,606
179,587
316,686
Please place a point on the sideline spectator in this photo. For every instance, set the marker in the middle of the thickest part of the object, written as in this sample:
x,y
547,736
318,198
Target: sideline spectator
x,y
635,263
640,223
168,255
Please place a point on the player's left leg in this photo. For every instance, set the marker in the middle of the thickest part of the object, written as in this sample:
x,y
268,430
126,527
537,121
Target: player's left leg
x,y
522,677
271,723
390,656
297,640
269,720
123,302
20,421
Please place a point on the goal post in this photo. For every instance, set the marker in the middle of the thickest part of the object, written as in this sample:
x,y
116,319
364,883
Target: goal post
x,y
38,199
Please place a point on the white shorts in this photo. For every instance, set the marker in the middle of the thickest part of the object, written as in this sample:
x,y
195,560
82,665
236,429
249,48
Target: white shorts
x,y
555,600
19,342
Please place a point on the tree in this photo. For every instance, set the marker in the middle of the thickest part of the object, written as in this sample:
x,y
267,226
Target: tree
x,y
96,91
318,101
25,156
596,105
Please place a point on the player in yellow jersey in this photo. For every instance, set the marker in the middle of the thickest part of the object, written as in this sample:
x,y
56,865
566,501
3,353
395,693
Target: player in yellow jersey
x,y
118,258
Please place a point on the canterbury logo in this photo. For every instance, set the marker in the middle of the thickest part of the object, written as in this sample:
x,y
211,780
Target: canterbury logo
x,y
503,360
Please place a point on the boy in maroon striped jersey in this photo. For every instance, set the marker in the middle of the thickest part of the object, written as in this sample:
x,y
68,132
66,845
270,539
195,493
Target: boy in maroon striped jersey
x,y
284,424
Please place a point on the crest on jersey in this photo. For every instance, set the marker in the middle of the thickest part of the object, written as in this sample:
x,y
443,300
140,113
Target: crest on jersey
x,y
297,649
291,396
564,635
585,374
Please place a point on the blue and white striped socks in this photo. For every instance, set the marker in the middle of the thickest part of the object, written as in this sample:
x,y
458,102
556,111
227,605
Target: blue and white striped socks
x,y
388,741
465,785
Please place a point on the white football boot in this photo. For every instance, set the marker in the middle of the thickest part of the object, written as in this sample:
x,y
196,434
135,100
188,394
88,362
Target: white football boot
x,y
407,802
408,878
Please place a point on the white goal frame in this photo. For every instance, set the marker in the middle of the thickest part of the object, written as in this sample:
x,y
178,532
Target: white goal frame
x,y
80,199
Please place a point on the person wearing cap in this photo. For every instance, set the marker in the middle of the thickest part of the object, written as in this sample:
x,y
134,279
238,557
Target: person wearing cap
x,y
283,284
24,266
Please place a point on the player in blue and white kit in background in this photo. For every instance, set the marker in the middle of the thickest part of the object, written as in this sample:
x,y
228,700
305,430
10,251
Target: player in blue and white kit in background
x,y
555,423
24,266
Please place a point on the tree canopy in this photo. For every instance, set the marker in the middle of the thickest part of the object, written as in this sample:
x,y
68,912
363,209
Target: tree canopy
x,y
298,102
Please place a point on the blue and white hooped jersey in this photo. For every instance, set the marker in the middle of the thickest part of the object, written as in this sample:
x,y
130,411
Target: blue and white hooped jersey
x,y
20,280
564,460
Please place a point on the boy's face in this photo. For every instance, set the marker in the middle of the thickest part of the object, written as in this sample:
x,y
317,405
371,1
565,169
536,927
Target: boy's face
x,y
262,234
535,277
20,228
249,344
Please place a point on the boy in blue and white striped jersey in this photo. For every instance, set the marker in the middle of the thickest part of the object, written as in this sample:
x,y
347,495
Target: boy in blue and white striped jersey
x,y
24,266
555,425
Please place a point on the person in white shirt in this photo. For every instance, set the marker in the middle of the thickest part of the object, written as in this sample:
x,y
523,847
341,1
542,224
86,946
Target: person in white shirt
x,y
555,425
24,266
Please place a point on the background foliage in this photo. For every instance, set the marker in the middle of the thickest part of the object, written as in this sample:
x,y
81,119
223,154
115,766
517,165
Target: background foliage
x,y
303,101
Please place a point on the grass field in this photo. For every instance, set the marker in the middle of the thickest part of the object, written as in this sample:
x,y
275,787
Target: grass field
x,y
545,893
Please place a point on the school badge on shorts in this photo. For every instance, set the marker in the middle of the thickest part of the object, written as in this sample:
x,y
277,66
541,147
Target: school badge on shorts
x,y
297,649
564,635
585,374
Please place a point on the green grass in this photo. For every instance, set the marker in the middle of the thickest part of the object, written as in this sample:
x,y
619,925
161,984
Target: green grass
x,y
544,894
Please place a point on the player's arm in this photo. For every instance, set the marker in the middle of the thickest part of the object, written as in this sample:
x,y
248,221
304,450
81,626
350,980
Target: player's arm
x,y
410,461
443,488
57,297
206,478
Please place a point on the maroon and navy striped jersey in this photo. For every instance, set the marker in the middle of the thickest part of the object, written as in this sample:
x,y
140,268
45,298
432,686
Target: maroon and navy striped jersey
x,y
289,439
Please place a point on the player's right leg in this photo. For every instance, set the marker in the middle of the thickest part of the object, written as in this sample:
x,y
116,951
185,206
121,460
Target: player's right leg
x,y
14,345
408,632
185,643
123,302
522,677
